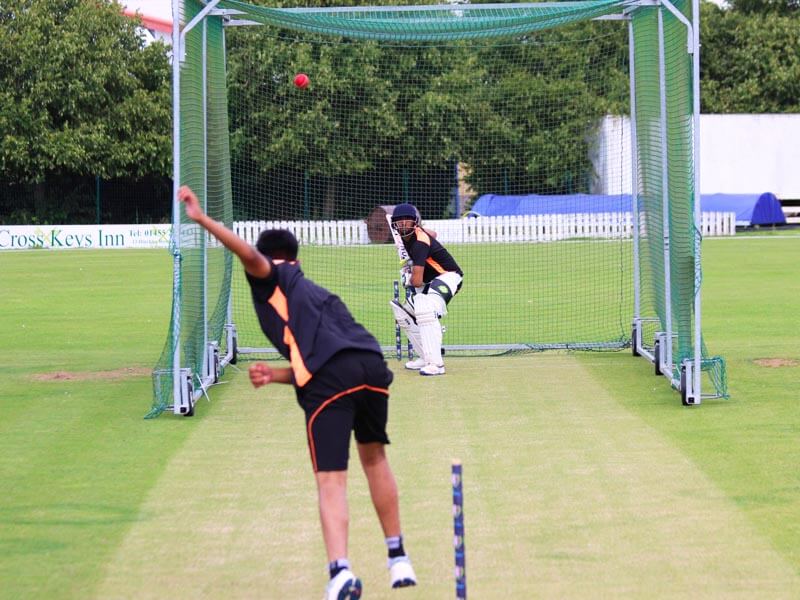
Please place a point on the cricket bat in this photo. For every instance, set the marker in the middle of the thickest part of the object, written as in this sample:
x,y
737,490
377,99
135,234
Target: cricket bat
x,y
398,242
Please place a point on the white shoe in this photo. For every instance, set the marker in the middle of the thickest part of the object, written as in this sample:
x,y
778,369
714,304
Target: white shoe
x,y
431,369
401,573
416,364
345,586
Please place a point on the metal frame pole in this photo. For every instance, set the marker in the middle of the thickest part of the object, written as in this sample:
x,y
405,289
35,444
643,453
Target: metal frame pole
x,y
229,308
637,306
665,193
698,339
205,236
178,56
177,53
693,48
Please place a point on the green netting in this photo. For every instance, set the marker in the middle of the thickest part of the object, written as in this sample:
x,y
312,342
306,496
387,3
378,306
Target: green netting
x,y
673,173
203,282
386,123
438,106
439,24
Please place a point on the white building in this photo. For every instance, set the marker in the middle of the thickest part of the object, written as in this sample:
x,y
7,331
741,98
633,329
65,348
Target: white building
x,y
739,154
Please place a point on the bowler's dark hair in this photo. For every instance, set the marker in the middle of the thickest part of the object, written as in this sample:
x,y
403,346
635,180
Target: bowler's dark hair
x,y
278,243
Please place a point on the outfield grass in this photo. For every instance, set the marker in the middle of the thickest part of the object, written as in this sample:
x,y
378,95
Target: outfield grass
x,y
584,476
747,445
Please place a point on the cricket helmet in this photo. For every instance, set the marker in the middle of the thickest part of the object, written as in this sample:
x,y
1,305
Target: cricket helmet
x,y
403,212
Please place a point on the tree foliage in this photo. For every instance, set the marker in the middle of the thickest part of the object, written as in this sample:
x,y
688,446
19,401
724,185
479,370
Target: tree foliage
x,y
80,93
510,110
780,7
750,60
348,96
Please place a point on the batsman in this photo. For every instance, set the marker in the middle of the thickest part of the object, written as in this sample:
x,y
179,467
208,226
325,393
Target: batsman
x,y
434,277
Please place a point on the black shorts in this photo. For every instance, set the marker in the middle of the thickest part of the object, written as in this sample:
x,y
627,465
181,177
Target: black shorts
x,y
349,393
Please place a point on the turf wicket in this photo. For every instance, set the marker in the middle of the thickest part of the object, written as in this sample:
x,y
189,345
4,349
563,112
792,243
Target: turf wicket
x,y
458,532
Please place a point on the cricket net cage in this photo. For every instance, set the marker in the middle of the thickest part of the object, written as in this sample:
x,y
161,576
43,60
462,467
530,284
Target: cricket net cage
x,y
552,146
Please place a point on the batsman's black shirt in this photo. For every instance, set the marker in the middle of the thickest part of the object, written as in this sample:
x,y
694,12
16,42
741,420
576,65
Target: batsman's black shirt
x,y
426,250
306,323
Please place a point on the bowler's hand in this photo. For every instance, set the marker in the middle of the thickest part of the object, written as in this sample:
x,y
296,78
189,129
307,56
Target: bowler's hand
x,y
190,201
261,374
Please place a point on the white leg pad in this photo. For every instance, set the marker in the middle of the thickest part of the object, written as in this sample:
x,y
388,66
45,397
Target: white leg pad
x,y
412,331
430,331
403,315
407,324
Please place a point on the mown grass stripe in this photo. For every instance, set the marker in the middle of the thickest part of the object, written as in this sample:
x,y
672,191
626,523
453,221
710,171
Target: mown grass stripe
x,y
567,494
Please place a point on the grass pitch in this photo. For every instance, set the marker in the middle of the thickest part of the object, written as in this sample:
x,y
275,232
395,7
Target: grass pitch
x,y
583,475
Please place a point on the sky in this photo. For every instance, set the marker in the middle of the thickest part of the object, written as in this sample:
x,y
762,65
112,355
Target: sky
x,y
161,9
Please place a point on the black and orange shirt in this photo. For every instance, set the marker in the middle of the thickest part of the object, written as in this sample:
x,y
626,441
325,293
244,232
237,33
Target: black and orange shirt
x,y
426,250
306,323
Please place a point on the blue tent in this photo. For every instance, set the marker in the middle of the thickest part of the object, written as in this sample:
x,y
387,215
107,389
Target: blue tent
x,y
492,205
750,209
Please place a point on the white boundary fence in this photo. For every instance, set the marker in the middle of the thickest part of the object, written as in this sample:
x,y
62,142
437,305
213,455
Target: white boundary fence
x,y
522,228
715,224
534,228
319,233
508,229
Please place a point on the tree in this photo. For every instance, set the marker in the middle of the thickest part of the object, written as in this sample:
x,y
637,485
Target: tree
x,y
542,100
750,62
510,111
80,93
342,125
780,7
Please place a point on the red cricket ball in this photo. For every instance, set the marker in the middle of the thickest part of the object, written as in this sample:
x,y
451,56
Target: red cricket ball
x,y
301,80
